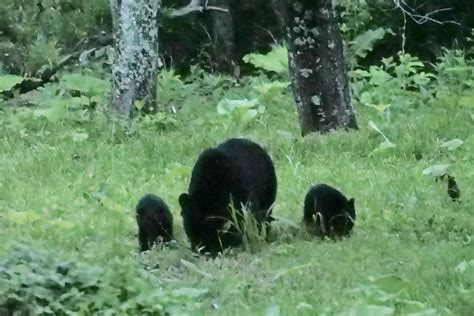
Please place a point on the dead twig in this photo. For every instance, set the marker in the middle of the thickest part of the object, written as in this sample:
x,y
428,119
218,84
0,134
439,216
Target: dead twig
x,y
193,6
420,18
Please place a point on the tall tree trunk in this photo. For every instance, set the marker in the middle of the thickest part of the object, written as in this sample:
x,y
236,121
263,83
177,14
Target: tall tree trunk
x,y
316,63
135,67
223,36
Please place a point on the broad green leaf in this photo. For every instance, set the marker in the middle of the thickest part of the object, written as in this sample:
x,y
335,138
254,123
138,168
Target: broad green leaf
x,y
248,117
436,170
192,267
272,310
139,104
383,146
22,217
366,98
9,81
87,85
464,265
387,143
380,107
391,283
227,106
276,60
272,87
452,144
373,126
79,137
364,43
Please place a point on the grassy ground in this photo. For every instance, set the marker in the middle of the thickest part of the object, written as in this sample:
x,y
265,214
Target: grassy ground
x,y
404,256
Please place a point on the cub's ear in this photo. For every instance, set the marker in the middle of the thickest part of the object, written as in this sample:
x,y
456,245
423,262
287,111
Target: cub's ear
x,y
184,200
352,202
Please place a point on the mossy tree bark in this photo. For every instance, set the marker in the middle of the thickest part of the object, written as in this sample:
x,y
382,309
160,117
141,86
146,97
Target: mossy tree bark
x,y
223,36
135,67
317,69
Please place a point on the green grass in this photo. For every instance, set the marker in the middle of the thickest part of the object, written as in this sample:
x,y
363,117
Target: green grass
x,y
407,242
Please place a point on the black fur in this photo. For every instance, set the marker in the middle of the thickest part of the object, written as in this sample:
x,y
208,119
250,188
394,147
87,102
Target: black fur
x,y
239,168
453,189
154,220
337,213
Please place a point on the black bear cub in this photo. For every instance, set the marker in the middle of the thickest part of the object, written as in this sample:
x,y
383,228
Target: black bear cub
x,y
154,220
327,212
237,172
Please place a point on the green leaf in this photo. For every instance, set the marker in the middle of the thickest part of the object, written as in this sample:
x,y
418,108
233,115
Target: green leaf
x,y
87,85
375,127
79,137
139,104
387,143
272,310
248,117
391,283
380,107
383,146
276,60
464,265
272,87
191,266
9,81
364,43
436,170
22,217
452,144
227,106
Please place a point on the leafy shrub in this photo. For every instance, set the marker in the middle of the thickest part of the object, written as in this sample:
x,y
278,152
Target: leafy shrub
x,y
454,73
172,92
39,283
274,61
9,81
399,85
42,29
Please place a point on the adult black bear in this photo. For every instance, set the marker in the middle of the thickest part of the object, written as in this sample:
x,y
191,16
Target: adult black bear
x,y
154,220
237,168
327,212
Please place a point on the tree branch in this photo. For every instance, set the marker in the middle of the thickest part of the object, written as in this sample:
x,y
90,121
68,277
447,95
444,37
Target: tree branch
x,y
193,6
421,19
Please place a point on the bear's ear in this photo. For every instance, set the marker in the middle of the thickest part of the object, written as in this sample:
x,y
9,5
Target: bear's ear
x,y
352,202
184,200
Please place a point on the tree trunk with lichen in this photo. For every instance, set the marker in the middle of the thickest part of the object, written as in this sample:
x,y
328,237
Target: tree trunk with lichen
x,y
135,67
316,62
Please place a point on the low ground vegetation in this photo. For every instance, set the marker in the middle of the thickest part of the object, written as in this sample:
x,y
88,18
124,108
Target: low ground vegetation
x,y
71,177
